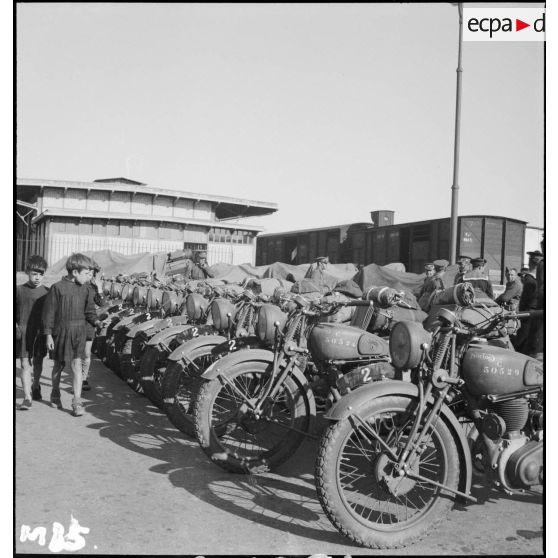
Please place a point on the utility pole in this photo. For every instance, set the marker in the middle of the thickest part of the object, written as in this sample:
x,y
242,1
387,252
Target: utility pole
x,y
455,185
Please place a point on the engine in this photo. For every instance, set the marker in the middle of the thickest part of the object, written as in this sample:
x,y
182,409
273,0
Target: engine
x,y
513,434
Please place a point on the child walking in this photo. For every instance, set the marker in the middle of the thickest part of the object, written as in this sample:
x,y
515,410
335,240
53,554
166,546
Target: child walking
x,y
30,346
67,309
95,293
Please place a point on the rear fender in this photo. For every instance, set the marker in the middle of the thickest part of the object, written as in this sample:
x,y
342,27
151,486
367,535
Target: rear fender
x,y
144,326
350,404
196,331
164,334
128,320
180,320
235,358
136,319
239,343
202,341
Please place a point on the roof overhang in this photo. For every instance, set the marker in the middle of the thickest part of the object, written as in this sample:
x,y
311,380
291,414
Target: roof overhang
x,y
225,207
101,215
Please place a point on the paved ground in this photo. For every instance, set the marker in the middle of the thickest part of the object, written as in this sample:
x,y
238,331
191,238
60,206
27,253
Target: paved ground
x,y
141,487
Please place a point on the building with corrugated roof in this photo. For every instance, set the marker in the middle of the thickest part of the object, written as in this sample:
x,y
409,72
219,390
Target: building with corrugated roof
x,y
57,217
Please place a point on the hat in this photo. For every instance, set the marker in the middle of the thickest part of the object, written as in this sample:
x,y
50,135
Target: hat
x,y
478,261
201,254
463,258
323,259
349,288
428,266
535,254
440,264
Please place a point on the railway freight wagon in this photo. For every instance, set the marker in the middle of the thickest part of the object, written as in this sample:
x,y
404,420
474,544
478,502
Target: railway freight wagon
x,y
500,240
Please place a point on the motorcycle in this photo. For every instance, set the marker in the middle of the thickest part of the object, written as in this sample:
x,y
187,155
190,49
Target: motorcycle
x,y
234,330
397,454
255,407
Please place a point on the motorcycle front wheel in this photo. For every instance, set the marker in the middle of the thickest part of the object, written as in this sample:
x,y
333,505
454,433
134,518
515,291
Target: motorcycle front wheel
x,y
237,439
153,365
180,386
359,488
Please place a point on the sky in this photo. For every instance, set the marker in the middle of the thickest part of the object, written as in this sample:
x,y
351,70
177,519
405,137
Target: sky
x,y
329,110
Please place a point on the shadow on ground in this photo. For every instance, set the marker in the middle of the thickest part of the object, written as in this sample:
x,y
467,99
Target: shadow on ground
x,y
286,500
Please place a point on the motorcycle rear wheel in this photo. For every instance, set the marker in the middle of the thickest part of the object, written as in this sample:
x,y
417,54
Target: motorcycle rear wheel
x,y
363,498
237,441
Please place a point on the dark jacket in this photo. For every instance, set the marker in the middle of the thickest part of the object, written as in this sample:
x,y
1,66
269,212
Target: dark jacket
x,y
481,283
512,294
528,300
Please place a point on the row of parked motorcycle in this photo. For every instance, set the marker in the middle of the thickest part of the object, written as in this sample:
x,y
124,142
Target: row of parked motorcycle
x,y
417,407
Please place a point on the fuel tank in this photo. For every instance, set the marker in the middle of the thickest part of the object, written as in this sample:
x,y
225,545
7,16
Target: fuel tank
x,y
342,342
489,370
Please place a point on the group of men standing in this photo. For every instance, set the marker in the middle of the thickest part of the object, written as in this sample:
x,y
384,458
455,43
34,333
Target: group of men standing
x,y
524,291
471,270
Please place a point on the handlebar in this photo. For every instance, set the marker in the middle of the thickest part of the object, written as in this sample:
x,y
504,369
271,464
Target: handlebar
x,y
326,309
499,317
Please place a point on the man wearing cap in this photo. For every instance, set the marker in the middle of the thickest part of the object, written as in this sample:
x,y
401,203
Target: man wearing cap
x,y
433,282
537,350
317,272
509,299
464,264
480,281
428,272
528,301
200,270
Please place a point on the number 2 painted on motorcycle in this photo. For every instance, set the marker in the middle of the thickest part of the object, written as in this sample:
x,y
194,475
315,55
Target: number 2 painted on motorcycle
x,y
366,374
195,332
232,345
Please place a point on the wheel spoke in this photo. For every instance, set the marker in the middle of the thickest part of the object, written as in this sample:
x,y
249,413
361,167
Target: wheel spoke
x,y
371,488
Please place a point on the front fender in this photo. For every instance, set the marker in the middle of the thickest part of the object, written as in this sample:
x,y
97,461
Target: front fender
x,y
350,404
235,358
144,326
262,355
202,341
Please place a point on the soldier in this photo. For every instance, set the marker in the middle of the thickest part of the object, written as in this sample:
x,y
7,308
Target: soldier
x,y
528,299
525,342
316,272
200,270
464,263
514,287
480,281
440,267
433,282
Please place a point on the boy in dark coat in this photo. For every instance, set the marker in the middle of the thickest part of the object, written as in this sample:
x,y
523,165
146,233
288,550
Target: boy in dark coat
x,y
68,307
30,347
95,293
